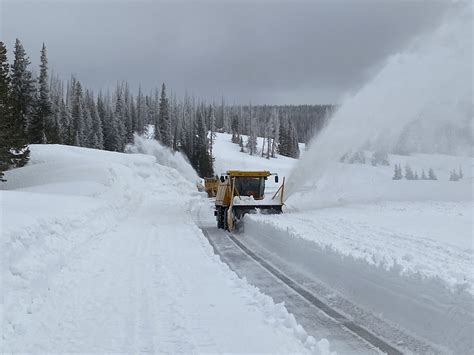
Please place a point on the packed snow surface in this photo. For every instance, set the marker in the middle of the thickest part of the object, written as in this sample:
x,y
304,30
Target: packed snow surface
x,y
100,254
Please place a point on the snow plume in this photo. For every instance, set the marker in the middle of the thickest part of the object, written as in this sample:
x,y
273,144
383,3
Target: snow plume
x,y
164,156
420,101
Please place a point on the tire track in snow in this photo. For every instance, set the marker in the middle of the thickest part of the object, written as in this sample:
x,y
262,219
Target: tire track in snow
x,y
316,302
302,292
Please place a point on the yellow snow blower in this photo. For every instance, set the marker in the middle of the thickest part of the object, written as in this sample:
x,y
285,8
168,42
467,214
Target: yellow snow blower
x,y
241,192
210,186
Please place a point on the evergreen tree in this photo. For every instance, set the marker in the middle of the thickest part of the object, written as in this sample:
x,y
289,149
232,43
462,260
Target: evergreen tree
x,y
66,127
142,112
164,119
241,144
109,125
77,113
128,115
22,98
283,147
212,129
252,138
431,174
202,159
109,129
117,119
293,144
460,174
7,126
423,175
88,138
275,132
453,176
409,173
46,126
397,175
96,136
235,129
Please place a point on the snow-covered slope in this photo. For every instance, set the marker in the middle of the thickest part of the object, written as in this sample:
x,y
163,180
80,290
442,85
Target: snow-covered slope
x,y
100,254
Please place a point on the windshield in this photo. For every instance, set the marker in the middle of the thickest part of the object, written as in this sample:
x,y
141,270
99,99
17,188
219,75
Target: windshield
x,y
250,186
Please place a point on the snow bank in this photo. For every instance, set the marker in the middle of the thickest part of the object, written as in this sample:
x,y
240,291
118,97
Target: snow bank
x,y
430,239
420,285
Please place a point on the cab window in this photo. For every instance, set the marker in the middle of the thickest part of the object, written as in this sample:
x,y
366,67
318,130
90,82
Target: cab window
x,y
250,186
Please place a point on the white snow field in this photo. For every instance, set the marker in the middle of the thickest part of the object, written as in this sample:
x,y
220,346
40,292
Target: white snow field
x,y
356,229
100,254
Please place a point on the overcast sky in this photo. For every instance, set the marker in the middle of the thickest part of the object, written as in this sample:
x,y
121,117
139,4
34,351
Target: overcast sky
x,y
262,51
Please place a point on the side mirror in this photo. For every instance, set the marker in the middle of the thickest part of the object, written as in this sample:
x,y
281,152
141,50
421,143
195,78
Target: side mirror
x,y
222,179
276,179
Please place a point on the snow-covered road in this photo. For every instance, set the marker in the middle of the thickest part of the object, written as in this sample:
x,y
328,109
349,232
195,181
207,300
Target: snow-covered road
x,y
127,271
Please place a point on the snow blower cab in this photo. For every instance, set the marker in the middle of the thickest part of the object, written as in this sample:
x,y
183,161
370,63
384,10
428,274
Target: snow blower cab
x,y
240,192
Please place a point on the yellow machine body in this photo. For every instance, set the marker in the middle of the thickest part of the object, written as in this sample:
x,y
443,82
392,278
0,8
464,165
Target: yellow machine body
x,y
249,185
211,185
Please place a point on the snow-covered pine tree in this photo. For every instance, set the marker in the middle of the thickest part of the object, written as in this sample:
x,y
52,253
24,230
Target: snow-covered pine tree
x,y
460,174
453,176
175,122
22,98
77,113
275,132
65,124
142,112
423,175
46,127
118,119
202,159
88,139
6,115
416,177
431,174
153,114
212,129
397,174
252,138
283,142
294,149
57,95
106,119
110,126
235,129
409,173
96,136
127,115
164,118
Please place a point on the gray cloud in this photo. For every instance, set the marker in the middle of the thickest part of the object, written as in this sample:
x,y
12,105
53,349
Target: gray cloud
x,y
266,52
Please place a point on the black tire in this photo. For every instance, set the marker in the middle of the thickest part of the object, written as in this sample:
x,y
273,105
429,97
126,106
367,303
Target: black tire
x,y
220,217
226,225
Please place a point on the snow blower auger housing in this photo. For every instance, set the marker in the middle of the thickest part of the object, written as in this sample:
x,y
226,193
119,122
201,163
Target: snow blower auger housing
x,y
240,192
